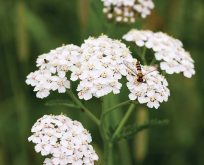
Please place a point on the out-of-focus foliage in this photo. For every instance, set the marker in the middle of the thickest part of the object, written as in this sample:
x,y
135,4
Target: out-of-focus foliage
x,y
30,28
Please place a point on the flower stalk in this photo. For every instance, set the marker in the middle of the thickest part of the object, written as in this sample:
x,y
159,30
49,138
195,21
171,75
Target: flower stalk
x,y
123,121
143,56
108,149
86,110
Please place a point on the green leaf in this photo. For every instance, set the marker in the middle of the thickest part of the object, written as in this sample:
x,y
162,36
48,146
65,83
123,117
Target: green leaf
x,y
134,129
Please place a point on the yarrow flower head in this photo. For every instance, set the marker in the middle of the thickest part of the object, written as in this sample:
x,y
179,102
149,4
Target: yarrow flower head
x,y
168,50
102,66
53,66
65,141
152,90
98,65
127,10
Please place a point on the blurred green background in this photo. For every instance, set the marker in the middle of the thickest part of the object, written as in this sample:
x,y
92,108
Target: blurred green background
x,y
30,28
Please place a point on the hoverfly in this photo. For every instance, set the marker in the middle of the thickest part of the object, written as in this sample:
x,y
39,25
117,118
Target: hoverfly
x,y
137,71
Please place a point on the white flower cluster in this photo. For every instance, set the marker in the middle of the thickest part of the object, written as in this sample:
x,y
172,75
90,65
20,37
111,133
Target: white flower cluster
x,y
53,67
99,64
127,10
65,140
152,91
102,66
168,50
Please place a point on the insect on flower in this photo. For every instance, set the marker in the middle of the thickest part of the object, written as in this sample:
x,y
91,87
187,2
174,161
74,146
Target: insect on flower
x,y
137,71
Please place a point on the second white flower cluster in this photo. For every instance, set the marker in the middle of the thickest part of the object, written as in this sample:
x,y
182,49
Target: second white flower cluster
x,y
63,141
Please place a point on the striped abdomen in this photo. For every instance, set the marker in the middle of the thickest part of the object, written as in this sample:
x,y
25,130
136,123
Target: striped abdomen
x,y
139,72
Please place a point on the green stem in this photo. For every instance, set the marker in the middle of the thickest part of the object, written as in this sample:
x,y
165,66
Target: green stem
x,y
143,56
108,153
123,121
108,145
86,110
153,61
103,130
117,106
107,111
138,50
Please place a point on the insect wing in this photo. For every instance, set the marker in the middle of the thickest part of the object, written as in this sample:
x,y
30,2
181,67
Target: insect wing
x,y
130,67
154,70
